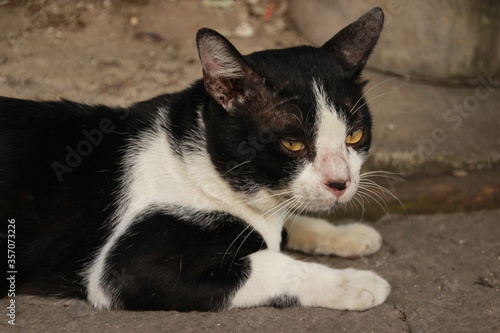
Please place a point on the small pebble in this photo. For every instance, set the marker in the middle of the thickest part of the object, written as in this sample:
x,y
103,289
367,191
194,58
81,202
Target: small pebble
x,y
134,20
244,29
460,173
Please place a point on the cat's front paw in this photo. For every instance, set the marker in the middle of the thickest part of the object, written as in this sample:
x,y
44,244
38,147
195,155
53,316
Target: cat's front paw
x,y
318,236
354,240
362,290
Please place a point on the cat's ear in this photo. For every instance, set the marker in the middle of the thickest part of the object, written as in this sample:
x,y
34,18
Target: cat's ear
x,y
353,44
225,72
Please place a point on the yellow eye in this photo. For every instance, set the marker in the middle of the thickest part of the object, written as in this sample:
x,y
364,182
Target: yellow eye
x,y
293,145
354,137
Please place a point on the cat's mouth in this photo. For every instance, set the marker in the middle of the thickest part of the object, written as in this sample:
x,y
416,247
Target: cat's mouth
x,y
313,199
300,203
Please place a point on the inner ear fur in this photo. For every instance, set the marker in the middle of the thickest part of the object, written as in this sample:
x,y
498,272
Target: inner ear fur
x,y
226,74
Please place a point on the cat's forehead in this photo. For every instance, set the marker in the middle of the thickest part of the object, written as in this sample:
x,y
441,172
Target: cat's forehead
x,y
303,82
294,73
296,65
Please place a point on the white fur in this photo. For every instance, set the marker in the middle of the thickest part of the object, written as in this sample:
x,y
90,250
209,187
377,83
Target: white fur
x,y
156,176
274,274
334,161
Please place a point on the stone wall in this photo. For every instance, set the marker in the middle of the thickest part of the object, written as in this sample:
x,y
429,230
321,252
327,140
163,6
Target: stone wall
x,y
441,40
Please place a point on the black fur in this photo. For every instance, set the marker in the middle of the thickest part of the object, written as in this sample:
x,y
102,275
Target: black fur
x,y
177,261
284,301
56,217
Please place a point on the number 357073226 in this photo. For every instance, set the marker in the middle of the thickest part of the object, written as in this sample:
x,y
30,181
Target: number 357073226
x,y
11,244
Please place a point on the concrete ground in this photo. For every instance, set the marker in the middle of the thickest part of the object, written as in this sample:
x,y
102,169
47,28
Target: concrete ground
x,y
441,253
443,268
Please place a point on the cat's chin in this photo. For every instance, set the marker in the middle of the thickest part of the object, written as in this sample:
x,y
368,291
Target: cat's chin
x,y
300,204
313,201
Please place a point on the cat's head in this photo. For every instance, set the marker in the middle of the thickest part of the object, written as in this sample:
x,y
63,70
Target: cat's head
x,y
290,125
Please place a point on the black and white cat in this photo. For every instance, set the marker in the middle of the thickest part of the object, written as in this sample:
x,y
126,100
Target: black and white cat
x,y
183,202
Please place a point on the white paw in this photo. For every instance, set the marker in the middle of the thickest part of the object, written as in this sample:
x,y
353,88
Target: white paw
x,y
351,240
361,290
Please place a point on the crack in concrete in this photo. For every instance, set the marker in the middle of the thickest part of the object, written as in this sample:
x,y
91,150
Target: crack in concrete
x,y
403,317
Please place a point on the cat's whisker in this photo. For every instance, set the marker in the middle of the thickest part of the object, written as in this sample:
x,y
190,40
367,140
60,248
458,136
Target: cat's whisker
x,y
297,208
366,92
371,99
264,219
357,199
235,167
374,199
370,188
297,205
392,195
288,203
250,202
382,174
294,115
372,191
277,208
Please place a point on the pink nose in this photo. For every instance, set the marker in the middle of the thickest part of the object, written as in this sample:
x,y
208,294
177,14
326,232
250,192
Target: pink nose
x,y
338,187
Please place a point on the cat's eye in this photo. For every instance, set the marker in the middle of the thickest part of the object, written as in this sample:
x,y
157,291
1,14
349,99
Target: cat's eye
x,y
354,137
292,145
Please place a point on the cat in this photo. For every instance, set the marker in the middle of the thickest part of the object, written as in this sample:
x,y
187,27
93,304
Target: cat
x,y
185,201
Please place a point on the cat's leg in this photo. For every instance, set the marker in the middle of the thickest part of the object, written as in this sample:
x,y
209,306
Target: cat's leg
x,y
318,236
164,263
276,279
180,261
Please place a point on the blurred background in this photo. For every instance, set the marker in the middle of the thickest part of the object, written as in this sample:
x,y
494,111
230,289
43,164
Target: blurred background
x,y
434,76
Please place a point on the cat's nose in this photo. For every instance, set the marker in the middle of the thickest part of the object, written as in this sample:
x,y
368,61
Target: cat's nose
x,y
338,187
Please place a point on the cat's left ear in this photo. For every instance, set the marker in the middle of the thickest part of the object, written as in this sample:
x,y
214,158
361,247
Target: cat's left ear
x,y
353,45
225,73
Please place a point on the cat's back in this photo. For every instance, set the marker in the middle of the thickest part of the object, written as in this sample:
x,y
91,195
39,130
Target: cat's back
x,y
59,168
54,142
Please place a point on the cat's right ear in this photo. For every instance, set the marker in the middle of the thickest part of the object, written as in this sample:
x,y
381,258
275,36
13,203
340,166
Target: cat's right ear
x,y
224,69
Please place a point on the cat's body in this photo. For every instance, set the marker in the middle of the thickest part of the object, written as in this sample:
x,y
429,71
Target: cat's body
x,y
180,202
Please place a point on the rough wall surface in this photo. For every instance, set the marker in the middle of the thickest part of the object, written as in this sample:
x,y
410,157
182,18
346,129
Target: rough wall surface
x,y
446,40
